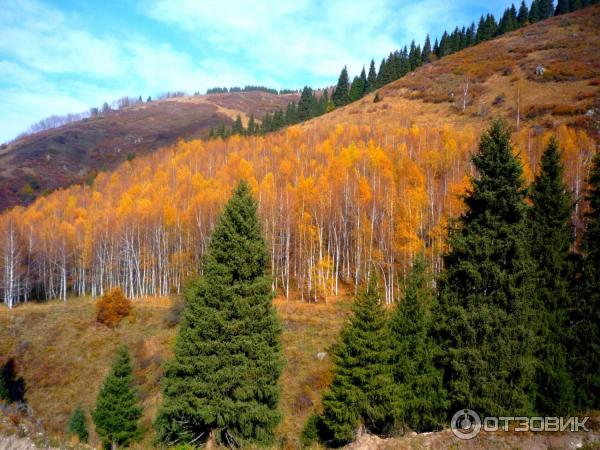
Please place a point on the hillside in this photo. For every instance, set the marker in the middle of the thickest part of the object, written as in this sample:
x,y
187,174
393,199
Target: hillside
x,y
64,365
498,78
368,185
75,152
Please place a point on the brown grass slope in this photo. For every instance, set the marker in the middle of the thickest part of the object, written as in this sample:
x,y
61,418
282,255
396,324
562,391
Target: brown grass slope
x,y
501,81
63,355
70,154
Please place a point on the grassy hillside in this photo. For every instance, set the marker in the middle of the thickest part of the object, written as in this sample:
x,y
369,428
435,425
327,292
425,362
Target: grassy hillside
x,y
63,355
73,153
501,78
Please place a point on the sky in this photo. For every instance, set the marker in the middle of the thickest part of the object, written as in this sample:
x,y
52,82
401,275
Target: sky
x,y
65,56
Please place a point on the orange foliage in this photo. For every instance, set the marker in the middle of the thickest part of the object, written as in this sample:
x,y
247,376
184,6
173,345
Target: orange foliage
x,y
112,308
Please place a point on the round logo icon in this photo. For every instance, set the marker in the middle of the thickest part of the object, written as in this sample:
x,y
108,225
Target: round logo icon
x,y
465,424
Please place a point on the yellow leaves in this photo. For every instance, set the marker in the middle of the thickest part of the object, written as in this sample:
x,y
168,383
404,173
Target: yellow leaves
x,y
364,191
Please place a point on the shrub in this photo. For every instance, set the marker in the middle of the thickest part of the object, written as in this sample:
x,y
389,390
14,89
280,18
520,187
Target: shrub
x,y
310,431
77,426
377,98
112,308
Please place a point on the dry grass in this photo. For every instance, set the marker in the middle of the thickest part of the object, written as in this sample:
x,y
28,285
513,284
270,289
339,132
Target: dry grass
x,y
63,354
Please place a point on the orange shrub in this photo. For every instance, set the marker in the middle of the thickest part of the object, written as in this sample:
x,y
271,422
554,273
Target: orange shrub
x,y
112,307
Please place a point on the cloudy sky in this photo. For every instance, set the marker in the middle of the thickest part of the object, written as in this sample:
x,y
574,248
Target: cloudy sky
x,y
65,56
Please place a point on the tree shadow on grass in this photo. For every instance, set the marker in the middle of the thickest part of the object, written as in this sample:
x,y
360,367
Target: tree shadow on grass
x,y
14,387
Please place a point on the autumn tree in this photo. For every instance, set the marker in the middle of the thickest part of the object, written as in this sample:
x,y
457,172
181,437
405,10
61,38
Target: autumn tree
x,y
483,321
362,391
224,377
113,307
551,238
117,412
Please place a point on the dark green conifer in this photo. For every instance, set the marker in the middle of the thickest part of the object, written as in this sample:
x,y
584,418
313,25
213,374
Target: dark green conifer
x,y
585,316
77,425
551,243
425,55
362,391
484,318
534,11
372,77
421,395
340,94
117,412
237,127
523,15
224,377
357,89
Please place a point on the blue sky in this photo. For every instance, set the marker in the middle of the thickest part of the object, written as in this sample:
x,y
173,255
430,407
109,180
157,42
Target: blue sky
x,y
65,56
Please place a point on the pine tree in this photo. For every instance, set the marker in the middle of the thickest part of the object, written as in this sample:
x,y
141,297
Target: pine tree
x,y
562,7
117,414
546,8
340,94
585,316
362,391
77,425
357,89
251,129
551,242
372,77
305,104
421,396
237,127
382,74
224,376
523,15
483,321
426,50
534,11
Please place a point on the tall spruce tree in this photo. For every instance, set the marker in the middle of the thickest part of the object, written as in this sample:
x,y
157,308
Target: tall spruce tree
x,y
357,90
224,376
421,395
484,317
117,412
362,391
585,351
551,243
523,15
372,77
340,94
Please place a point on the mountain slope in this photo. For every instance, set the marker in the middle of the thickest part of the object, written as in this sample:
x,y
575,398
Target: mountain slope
x,y
498,78
59,157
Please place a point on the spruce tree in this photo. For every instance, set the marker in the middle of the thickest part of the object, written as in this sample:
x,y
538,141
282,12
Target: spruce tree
x,y
585,316
340,94
562,7
237,127
534,11
362,391
421,395
426,50
77,425
224,376
483,321
372,77
551,242
523,15
117,414
305,104
357,89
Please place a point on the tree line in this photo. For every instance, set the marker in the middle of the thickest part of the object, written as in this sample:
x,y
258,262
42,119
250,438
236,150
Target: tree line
x,y
332,201
250,88
311,104
401,62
